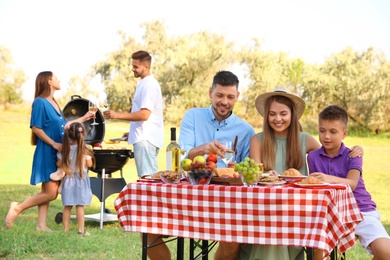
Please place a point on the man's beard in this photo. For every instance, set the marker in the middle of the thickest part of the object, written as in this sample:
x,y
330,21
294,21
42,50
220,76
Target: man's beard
x,y
226,115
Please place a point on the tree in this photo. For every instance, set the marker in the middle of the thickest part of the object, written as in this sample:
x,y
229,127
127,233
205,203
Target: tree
x,y
358,82
266,71
184,67
11,80
80,86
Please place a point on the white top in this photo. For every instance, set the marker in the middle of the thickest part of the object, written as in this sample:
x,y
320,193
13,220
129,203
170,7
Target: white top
x,y
148,95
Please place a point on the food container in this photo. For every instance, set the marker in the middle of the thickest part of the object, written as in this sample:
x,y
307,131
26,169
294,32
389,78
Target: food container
x,y
170,177
249,180
200,177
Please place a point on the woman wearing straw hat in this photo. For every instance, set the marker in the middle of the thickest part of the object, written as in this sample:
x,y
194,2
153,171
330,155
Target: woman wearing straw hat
x,y
280,146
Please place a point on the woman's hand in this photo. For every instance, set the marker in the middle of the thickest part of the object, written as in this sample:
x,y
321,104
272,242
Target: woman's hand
x,y
57,146
356,151
81,119
273,173
88,116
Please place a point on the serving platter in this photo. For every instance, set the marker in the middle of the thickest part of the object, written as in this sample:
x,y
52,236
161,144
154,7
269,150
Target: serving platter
x,y
292,178
124,138
150,180
273,183
226,181
311,185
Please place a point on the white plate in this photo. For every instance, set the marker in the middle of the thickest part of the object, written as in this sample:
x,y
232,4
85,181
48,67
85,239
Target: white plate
x,y
311,185
292,178
274,183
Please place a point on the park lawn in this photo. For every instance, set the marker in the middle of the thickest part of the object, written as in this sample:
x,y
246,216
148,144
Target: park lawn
x,y
111,242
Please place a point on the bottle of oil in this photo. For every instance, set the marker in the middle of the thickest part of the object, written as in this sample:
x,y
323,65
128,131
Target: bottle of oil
x,y
173,153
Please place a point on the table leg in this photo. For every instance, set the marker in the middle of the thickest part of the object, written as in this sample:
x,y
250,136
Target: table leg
x,y
144,246
334,255
192,248
205,249
309,253
180,248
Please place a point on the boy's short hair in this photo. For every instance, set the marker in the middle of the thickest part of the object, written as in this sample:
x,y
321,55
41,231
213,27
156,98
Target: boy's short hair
x,y
334,112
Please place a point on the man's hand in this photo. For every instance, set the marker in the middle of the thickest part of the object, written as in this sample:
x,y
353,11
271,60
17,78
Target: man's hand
x,y
214,147
126,135
109,114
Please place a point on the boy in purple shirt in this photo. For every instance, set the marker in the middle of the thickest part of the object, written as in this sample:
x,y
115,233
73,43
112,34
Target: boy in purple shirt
x,y
332,164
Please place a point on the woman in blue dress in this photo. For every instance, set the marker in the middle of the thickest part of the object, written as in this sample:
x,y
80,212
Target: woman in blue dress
x,y
47,125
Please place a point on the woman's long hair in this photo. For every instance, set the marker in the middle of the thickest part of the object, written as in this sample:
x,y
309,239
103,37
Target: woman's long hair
x,y
42,89
76,132
293,145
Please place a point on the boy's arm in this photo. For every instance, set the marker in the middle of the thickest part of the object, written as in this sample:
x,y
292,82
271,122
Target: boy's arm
x,y
351,179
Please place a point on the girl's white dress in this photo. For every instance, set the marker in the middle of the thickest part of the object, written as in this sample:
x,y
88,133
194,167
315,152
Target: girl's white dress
x,y
76,190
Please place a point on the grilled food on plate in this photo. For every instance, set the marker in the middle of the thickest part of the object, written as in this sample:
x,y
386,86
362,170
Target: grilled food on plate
x,y
226,173
311,180
270,178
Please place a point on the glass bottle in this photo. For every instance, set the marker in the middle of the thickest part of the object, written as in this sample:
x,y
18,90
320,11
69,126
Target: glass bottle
x,y
173,153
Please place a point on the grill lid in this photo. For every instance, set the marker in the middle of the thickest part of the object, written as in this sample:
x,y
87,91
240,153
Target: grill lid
x,y
76,108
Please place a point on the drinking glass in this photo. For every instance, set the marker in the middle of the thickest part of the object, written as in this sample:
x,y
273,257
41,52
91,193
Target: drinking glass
x,y
183,152
103,106
93,109
228,153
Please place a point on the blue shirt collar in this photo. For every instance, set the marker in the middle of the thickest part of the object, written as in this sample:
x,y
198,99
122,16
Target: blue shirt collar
x,y
214,120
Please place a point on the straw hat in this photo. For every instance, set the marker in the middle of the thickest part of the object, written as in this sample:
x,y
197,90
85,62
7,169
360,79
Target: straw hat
x,y
280,91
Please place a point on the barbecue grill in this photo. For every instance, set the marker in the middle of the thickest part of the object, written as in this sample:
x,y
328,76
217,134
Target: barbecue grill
x,y
108,161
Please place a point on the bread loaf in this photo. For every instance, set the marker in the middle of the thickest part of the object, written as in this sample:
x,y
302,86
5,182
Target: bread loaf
x,y
291,172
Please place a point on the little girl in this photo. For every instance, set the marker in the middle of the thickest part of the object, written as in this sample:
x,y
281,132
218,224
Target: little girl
x,y
74,160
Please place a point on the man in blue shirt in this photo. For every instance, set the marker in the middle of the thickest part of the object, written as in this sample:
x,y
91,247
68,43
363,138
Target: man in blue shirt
x,y
203,131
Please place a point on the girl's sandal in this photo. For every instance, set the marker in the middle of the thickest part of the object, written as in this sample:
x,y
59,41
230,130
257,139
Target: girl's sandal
x,y
83,234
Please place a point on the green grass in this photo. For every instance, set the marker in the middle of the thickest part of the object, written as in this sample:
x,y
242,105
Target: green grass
x,y
22,242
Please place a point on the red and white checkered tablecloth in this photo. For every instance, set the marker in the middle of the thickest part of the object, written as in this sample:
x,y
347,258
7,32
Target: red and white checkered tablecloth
x,y
269,215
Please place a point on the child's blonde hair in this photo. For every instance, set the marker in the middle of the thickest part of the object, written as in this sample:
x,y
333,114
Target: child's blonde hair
x,y
76,132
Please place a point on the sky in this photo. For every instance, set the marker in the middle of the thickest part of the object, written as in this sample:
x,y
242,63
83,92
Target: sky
x,y
69,36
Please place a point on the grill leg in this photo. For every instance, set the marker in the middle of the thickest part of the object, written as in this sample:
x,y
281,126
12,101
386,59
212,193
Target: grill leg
x,y
102,204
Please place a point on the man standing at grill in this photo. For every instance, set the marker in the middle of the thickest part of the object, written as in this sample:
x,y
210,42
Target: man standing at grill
x,y
146,117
